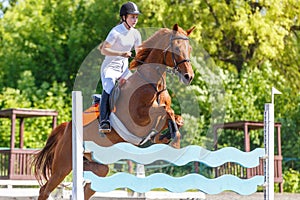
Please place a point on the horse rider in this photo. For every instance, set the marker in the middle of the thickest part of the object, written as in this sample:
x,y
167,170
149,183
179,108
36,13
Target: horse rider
x,y
117,49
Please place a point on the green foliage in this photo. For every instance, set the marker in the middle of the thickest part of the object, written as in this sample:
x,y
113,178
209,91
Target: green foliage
x,y
290,137
291,181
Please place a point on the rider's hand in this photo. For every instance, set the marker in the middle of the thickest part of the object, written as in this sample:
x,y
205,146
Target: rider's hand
x,y
127,54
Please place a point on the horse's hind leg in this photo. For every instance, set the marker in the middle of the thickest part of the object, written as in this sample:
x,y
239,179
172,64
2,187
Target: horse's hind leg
x,y
52,183
56,178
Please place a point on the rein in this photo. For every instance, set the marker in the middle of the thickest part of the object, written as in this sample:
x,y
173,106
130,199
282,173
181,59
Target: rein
x,y
154,86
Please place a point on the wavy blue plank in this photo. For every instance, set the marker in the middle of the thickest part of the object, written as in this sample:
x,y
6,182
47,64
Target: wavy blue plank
x,y
178,157
174,184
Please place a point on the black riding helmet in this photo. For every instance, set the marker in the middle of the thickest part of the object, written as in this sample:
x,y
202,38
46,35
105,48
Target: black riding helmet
x,y
129,8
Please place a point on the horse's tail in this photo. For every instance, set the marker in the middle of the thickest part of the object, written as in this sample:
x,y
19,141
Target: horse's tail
x,y
42,161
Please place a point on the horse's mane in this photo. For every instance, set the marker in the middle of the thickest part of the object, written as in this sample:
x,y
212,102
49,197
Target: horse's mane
x,y
156,41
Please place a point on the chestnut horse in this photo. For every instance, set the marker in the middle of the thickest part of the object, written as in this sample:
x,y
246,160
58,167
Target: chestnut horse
x,y
144,101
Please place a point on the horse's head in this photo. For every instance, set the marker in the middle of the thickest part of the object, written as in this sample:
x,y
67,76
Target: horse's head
x,y
170,48
177,53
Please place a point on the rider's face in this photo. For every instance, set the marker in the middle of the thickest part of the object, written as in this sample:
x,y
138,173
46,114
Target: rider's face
x,y
132,19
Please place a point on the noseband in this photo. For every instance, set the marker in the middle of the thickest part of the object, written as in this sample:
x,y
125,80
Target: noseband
x,y
176,64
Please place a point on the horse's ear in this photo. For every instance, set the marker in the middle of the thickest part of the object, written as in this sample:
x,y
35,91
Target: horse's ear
x,y
175,27
190,30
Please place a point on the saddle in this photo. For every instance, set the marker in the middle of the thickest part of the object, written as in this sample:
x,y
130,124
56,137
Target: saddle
x,y
90,114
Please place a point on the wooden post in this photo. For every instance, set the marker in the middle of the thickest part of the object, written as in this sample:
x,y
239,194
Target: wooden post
x,y
54,122
11,167
13,130
21,136
247,147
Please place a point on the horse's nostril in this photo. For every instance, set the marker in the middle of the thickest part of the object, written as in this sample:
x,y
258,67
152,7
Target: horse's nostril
x,y
187,77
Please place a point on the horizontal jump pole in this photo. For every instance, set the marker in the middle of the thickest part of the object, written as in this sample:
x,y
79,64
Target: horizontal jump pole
x,y
174,184
169,154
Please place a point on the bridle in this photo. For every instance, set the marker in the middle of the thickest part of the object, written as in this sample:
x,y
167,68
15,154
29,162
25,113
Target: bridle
x,y
165,51
174,68
170,46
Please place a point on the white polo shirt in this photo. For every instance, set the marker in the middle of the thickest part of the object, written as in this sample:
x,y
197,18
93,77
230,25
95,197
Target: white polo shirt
x,y
121,39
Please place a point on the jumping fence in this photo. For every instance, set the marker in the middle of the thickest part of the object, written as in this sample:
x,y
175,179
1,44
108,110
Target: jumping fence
x,y
179,157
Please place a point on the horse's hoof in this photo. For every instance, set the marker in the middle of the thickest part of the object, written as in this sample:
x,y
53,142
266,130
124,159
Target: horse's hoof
x,y
175,145
176,141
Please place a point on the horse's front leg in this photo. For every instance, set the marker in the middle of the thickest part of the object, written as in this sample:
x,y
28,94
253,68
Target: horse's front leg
x,y
174,133
165,138
173,123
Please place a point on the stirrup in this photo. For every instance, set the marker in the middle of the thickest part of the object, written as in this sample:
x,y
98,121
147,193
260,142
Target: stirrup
x,y
104,127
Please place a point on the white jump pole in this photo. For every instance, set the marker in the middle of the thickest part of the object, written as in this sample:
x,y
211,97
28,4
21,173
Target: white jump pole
x,y
269,122
77,146
269,149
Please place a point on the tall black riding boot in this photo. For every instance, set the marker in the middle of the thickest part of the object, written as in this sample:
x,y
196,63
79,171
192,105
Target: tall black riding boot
x,y
104,123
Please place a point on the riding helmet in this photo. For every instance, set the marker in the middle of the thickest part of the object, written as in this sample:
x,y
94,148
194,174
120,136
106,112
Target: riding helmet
x,y
129,8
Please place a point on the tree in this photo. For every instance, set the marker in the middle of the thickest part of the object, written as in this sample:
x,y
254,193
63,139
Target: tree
x,y
51,38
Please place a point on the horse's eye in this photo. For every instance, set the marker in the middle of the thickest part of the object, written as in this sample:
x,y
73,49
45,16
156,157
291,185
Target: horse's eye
x,y
177,49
